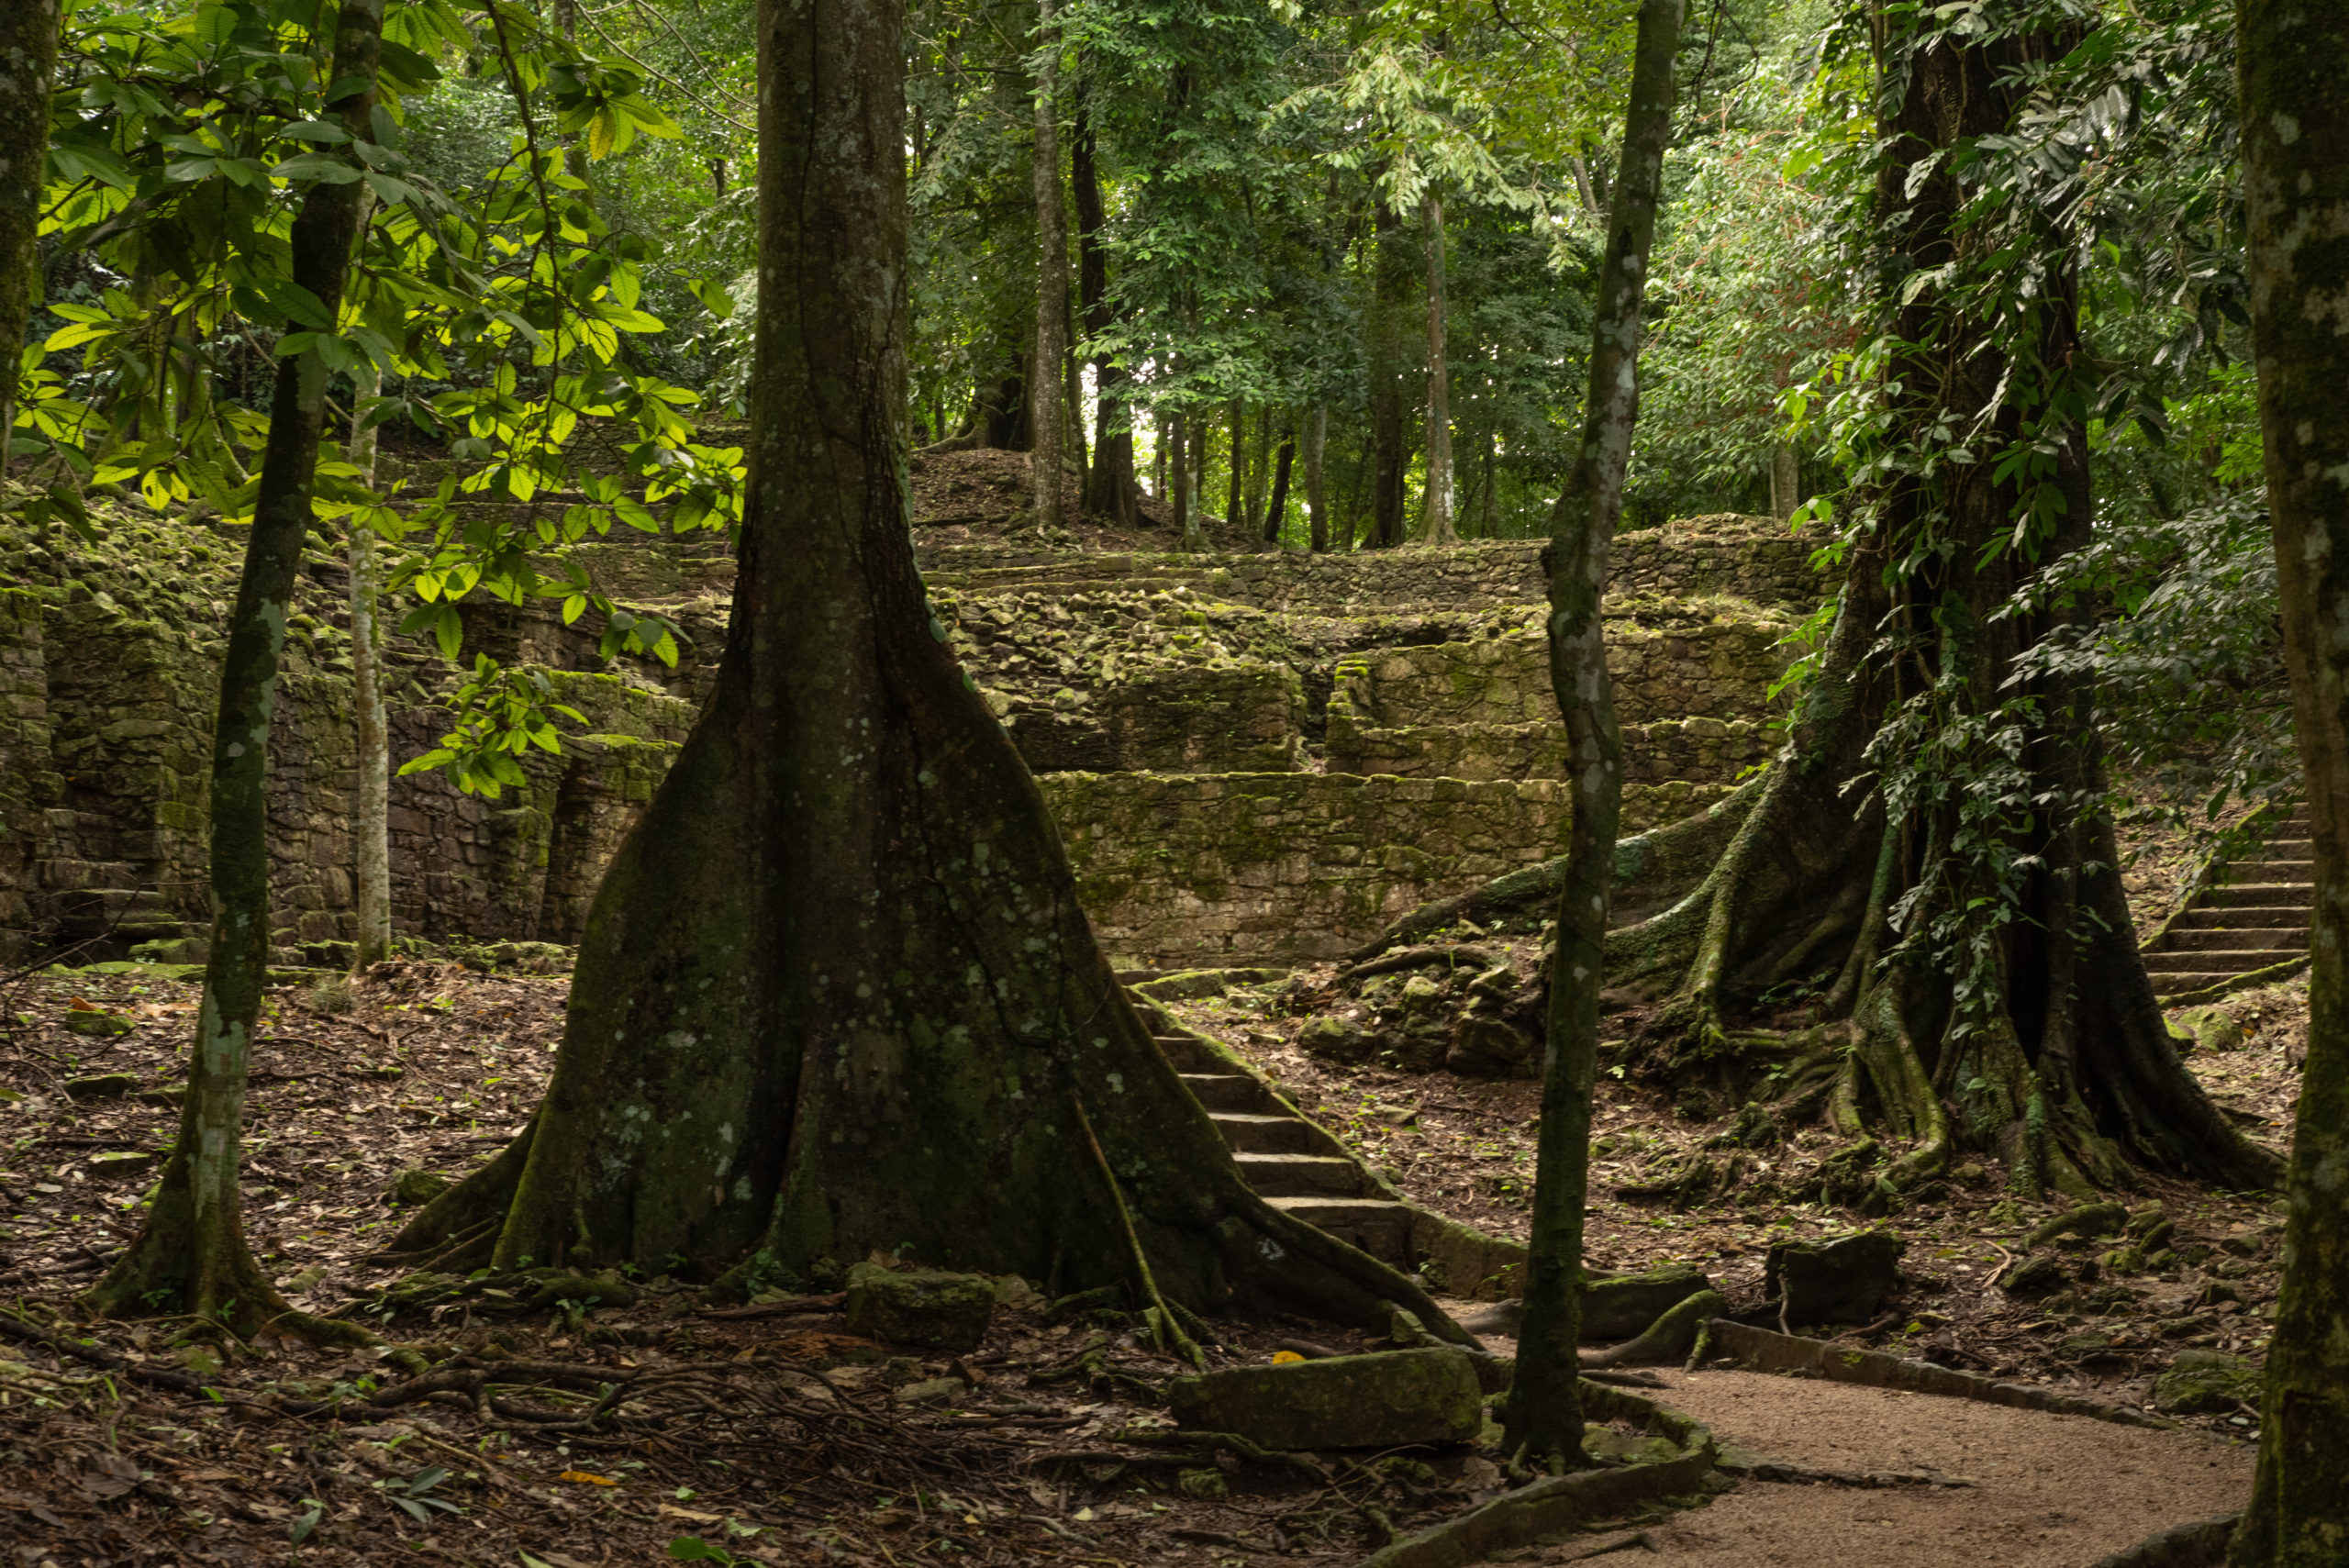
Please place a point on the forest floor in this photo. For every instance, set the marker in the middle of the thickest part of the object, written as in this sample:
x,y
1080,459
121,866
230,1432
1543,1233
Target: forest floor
x,y
729,1435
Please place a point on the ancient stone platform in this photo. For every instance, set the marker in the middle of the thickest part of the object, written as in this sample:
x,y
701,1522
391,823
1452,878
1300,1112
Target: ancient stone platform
x,y
1252,756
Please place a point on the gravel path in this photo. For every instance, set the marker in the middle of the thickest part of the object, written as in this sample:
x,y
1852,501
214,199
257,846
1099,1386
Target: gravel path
x,y
2049,1491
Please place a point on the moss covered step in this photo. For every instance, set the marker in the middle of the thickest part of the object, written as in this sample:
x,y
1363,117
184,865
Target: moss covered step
x,y
1230,1092
1301,1175
1380,1227
1247,1134
2247,924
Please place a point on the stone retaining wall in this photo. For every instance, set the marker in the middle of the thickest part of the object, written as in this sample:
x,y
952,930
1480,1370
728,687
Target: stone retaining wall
x,y
1699,750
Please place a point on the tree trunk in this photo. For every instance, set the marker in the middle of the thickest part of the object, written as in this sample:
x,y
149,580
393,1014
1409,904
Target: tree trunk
x,y
1439,527
1047,457
28,61
371,797
191,1258
1545,1417
1276,508
1260,467
2058,1076
1390,451
1179,436
1786,481
1194,469
1486,506
836,993
1235,509
2292,59
1317,495
1110,489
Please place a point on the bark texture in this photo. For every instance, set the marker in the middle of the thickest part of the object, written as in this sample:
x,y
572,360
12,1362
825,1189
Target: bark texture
x,y
1276,507
1544,1418
836,994
27,61
1317,494
191,1257
2293,59
1047,460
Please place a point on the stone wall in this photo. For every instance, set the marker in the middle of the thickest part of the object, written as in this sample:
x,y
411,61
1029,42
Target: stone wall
x,y
109,684
1700,750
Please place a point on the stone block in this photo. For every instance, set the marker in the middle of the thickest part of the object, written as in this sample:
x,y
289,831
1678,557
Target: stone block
x,y
2202,1382
1372,1401
935,1310
1842,1279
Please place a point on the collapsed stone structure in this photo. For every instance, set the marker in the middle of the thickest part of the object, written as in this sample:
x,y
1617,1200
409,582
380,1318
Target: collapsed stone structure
x,y
1252,756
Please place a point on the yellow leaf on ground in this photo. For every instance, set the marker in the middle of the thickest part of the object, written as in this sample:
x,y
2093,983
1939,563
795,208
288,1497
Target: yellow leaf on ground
x,y
587,1476
1281,1358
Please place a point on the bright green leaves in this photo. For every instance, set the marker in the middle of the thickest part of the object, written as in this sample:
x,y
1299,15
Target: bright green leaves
x,y
501,714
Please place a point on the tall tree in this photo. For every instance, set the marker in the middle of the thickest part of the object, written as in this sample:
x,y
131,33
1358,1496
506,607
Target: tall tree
x,y
1110,489
836,992
1390,457
27,61
191,1257
1276,505
371,808
1439,527
2292,59
1047,459
1544,1415
1317,499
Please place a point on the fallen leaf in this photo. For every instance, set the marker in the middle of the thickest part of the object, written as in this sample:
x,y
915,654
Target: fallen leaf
x,y
695,1515
587,1476
1282,1358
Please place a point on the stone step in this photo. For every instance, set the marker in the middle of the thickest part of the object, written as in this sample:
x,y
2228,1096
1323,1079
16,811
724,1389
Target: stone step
x,y
1300,1175
2245,917
2221,939
2264,894
1189,1054
1247,1134
2280,870
1230,1092
1376,1226
2168,985
2166,967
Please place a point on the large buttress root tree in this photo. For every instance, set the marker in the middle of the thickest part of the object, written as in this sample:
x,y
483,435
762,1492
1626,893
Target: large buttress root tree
x,y
192,1258
1931,849
2295,199
1545,1417
836,994
1930,854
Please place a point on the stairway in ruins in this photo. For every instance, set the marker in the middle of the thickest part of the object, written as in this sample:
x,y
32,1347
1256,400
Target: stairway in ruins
x,y
2248,918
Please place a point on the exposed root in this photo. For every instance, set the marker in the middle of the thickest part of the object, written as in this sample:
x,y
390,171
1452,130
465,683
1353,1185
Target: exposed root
x,y
1165,1330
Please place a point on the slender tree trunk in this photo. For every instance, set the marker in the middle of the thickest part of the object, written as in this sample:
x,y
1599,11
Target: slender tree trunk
x,y
1439,527
1544,1418
1235,509
1047,452
1786,481
191,1257
1194,469
2293,59
1390,446
28,61
1178,435
1486,505
1109,483
836,992
1163,433
1317,498
1260,465
371,797
1276,508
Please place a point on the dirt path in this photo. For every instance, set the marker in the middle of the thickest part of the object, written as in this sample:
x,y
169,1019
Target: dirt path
x,y
2049,1491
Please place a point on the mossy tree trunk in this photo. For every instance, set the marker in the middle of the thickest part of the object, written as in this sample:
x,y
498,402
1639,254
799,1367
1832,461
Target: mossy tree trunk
x,y
2046,1032
836,994
1317,494
1047,454
27,61
191,1258
1544,1418
1276,505
2293,59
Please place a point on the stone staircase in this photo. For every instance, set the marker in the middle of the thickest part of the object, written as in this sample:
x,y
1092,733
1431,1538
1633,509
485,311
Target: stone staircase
x,y
2247,924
